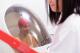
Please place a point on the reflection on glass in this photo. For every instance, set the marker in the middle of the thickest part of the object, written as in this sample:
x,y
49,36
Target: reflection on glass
x,y
23,25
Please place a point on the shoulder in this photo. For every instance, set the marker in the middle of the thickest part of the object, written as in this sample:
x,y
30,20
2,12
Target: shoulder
x,y
73,20
70,26
72,23
74,17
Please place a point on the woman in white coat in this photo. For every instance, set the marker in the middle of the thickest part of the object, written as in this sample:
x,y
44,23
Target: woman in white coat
x,y
68,29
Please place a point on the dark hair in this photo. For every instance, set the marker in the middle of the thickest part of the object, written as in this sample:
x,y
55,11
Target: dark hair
x,y
67,9
77,7
53,15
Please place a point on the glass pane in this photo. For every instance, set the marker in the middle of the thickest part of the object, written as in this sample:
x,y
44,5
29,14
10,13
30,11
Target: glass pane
x,y
23,25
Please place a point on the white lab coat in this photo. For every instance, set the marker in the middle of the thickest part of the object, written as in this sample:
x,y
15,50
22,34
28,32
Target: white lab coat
x,y
68,36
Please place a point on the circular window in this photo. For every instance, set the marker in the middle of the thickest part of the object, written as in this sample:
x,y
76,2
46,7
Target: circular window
x,y
23,25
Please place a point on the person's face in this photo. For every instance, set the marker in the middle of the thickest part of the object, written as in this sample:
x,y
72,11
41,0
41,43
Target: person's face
x,y
53,5
25,29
